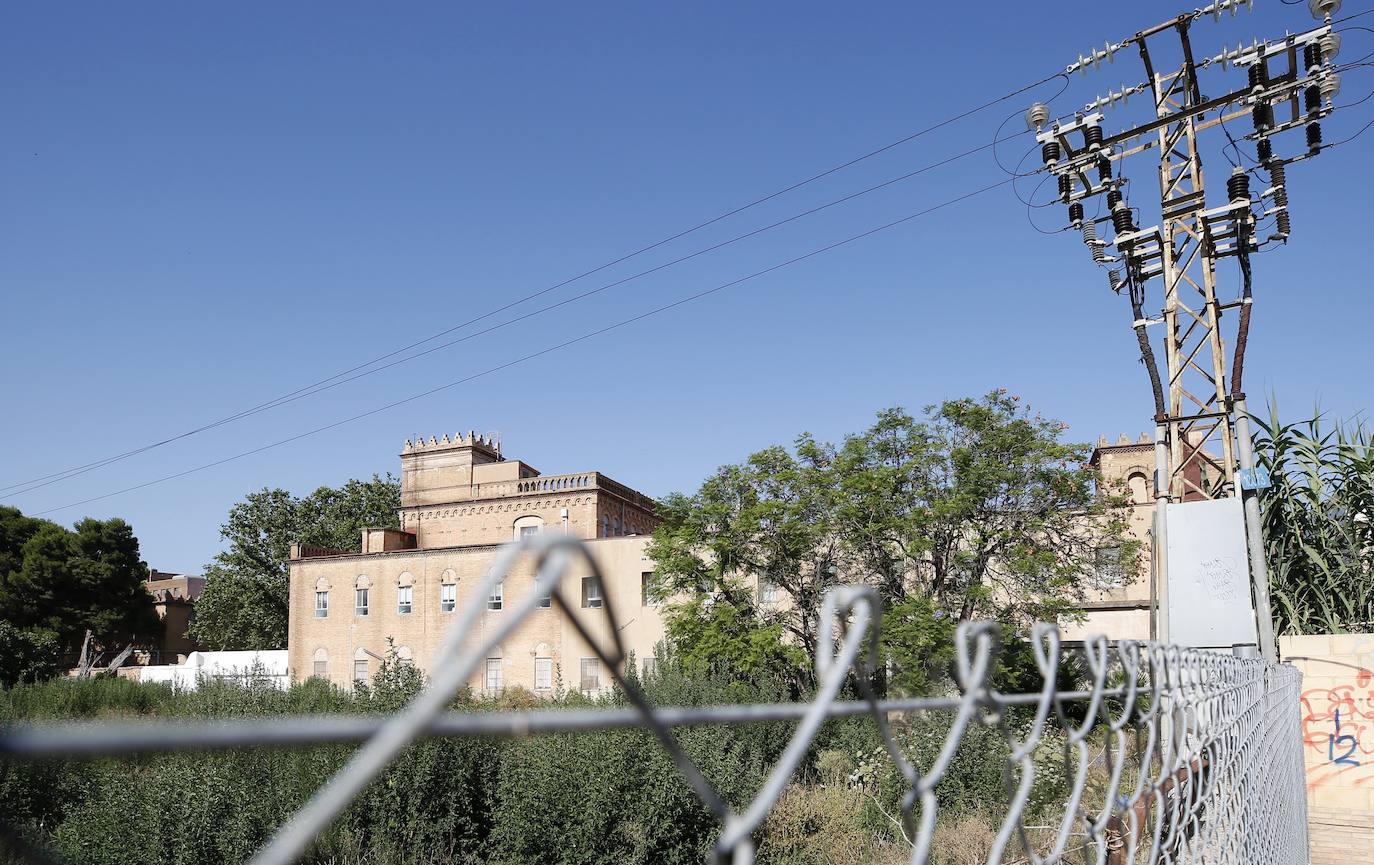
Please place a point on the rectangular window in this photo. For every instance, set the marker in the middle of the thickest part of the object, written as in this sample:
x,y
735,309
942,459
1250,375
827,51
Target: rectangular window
x,y
1107,562
448,597
360,669
648,589
321,605
591,674
545,601
497,599
768,590
543,674
321,670
361,604
403,600
528,531
493,675
649,668
591,593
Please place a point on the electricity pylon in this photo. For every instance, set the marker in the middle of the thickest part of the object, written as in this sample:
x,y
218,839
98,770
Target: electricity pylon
x,y
1202,426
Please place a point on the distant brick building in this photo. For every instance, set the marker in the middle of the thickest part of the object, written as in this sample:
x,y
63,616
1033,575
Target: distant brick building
x,y
460,500
1124,612
174,598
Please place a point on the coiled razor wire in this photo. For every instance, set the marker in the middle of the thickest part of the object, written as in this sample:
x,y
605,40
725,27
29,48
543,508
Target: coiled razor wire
x,y
1201,750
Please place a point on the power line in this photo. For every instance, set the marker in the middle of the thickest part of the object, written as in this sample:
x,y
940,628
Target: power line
x,y
1352,17
548,350
570,300
64,474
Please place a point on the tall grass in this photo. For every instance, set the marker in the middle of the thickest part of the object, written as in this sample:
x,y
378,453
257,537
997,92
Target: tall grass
x,y
607,796
569,798
1318,536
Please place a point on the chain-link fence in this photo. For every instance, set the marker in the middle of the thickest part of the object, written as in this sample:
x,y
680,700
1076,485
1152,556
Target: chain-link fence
x,y
1169,755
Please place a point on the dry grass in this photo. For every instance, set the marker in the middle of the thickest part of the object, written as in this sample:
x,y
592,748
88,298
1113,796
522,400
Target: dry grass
x,y
822,824
965,841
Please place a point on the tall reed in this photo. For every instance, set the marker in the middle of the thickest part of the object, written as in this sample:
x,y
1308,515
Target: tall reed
x,y
1318,535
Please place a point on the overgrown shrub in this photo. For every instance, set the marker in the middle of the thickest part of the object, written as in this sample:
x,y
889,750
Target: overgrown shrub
x,y
569,798
575,798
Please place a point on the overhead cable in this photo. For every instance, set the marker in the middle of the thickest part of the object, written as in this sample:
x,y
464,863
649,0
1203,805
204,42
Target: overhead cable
x,y
64,474
540,353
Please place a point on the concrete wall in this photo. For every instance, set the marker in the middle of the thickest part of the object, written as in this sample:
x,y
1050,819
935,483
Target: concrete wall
x,y
1338,741
238,666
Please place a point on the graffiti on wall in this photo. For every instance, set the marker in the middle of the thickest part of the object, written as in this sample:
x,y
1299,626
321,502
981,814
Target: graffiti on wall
x,y
1338,728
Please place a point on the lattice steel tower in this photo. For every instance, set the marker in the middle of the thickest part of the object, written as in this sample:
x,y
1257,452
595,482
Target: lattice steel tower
x,y
1202,428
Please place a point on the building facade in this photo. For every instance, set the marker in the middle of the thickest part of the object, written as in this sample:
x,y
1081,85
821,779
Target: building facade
x,y
1125,612
460,500
174,599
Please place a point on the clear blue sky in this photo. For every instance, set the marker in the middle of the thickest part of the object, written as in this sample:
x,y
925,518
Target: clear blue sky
x,y
209,205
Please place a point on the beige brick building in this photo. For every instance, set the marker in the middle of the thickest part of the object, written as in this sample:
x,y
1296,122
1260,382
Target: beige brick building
x,y
1125,612
460,500
174,598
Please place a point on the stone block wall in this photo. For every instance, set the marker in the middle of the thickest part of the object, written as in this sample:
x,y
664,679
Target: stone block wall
x,y
1338,740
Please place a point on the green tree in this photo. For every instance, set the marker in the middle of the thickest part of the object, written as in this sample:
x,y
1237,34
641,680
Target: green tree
x,y
15,531
977,509
28,655
56,584
244,604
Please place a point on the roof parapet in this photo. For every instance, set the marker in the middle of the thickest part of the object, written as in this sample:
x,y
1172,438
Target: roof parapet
x,y
490,441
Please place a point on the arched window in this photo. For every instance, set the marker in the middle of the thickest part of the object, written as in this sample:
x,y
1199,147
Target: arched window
x,y
1139,484
493,678
543,668
528,525
322,598
321,665
448,591
403,653
361,591
404,598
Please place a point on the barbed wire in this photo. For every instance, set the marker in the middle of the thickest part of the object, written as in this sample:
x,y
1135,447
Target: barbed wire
x,y
1171,755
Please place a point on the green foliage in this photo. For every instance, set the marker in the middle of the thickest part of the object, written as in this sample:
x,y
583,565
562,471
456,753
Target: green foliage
x,y
608,796
604,796
710,632
28,655
974,783
244,603
919,639
616,796
55,584
1318,536
975,510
